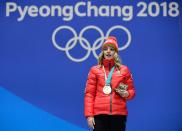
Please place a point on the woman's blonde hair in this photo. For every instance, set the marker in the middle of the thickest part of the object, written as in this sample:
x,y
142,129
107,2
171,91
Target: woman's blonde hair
x,y
116,57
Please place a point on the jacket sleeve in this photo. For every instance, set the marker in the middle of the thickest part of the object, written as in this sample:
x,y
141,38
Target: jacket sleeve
x,y
130,83
90,91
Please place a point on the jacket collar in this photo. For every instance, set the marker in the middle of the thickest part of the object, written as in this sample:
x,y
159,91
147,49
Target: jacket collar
x,y
108,64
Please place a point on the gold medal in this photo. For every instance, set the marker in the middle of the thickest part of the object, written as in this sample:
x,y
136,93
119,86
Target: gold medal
x,y
107,89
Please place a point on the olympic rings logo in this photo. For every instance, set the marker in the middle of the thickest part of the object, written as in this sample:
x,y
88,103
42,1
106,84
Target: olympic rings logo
x,y
71,43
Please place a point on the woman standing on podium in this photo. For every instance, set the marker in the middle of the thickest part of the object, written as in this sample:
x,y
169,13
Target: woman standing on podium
x,y
109,86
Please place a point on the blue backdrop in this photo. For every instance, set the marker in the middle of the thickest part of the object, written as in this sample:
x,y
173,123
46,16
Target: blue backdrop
x,y
48,47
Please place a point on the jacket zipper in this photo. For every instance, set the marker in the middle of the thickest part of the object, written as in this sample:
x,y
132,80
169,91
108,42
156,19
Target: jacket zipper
x,y
109,66
111,103
110,94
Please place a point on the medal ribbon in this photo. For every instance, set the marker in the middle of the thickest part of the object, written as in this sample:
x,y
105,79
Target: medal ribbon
x,y
108,80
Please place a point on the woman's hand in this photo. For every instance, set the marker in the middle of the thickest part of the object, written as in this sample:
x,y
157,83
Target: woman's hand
x,y
122,93
91,121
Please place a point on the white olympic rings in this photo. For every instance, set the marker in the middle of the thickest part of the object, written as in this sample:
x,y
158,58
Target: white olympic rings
x,y
71,43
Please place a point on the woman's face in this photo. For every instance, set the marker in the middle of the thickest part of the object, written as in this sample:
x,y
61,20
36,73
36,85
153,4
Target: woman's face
x,y
108,52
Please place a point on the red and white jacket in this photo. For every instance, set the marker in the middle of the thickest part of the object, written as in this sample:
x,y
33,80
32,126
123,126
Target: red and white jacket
x,y
96,102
